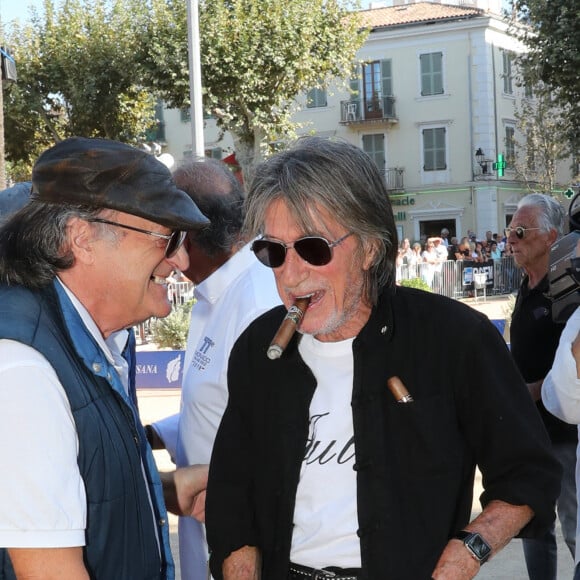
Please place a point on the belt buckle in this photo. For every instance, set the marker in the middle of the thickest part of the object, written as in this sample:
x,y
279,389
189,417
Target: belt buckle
x,y
322,574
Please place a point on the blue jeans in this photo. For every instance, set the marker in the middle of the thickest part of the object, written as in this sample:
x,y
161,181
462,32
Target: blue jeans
x,y
541,553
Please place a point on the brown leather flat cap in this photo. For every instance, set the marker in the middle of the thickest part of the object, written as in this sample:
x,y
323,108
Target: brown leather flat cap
x,y
109,174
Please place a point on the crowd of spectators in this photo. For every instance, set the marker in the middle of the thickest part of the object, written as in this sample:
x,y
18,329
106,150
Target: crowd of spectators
x,y
468,247
423,259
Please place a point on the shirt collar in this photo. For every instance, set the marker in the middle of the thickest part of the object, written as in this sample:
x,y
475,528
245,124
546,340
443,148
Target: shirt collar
x,y
213,287
115,343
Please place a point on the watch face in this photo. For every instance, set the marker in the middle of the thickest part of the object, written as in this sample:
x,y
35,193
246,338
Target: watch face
x,y
478,546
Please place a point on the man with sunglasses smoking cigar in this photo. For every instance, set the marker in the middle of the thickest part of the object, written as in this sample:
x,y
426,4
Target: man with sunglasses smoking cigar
x,y
352,456
537,223
81,263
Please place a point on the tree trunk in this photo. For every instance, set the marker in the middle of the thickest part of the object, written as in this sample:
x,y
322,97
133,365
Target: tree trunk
x,y
250,152
245,157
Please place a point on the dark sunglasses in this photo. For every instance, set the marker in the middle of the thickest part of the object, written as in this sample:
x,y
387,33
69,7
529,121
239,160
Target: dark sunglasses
x,y
174,240
520,232
315,250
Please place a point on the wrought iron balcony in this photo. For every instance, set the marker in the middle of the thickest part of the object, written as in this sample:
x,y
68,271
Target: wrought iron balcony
x,y
366,110
394,179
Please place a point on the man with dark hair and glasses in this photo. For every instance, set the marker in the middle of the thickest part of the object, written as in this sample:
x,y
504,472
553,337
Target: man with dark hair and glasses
x,y
82,262
537,223
352,456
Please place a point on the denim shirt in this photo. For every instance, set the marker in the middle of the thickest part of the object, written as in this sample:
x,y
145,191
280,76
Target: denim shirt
x,y
96,361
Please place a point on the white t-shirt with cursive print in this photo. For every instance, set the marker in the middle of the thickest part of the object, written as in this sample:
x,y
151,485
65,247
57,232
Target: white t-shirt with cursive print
x,y
325,516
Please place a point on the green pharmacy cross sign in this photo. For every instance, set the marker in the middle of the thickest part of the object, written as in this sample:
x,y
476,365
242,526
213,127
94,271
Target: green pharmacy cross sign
x,y
499,166
569,193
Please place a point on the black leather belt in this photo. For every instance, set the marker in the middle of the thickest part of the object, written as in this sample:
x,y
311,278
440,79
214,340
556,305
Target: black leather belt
x,y
298,572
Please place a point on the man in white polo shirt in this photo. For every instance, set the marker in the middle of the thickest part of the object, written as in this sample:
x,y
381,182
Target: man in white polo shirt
x,y
231,289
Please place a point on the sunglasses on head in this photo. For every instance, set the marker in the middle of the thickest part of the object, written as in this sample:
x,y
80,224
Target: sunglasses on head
x,y
520,232
315,250
174,240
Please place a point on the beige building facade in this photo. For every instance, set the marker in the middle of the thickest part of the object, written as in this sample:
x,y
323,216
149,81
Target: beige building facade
x,y
433,102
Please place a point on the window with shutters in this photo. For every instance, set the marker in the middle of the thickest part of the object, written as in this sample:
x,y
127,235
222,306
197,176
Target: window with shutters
x,y
434,149
386,78
377,79
372,81
510,146
508,79
354,83
431,65
528,91
374,146
377,88
316,98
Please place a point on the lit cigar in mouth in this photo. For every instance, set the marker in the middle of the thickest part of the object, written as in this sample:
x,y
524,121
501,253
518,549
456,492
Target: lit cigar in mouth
x,y
288,327
399,390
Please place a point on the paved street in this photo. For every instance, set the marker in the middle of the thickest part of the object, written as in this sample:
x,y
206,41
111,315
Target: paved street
x,y
155,404
508,565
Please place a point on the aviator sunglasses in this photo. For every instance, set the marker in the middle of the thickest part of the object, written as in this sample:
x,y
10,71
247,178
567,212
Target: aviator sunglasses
x,y
315,250
174,240
520,232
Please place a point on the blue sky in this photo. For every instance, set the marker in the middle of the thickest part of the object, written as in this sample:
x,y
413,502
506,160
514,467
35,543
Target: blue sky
x,y
11,9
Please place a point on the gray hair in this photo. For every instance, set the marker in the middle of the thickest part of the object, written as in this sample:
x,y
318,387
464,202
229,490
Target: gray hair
x,y
219,196
551,214
343,180
34,243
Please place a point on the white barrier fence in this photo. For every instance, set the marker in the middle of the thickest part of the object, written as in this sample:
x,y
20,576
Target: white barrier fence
x,y
460,279
451,278
180,292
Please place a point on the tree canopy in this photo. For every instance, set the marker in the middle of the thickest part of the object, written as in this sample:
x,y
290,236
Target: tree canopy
x,y
76,76
541,145
552,62
256,57
96,67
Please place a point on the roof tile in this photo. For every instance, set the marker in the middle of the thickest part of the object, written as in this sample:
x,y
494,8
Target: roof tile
x,y
415,13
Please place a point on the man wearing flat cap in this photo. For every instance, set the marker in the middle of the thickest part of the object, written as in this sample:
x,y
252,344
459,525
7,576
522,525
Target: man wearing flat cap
x,y
81,263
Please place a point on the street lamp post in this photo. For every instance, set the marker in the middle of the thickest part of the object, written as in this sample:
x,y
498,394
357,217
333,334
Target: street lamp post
x,y
196,109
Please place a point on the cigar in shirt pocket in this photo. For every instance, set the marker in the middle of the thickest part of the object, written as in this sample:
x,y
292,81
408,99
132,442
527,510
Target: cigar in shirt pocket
x,y
399,391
